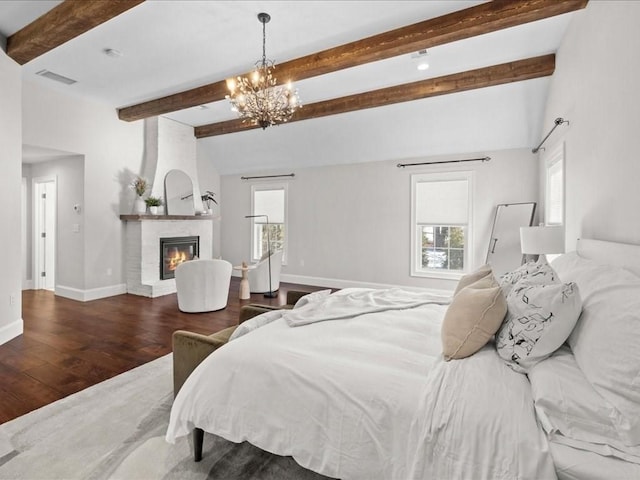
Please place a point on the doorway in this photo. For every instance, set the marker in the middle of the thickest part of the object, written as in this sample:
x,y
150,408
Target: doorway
x,y
44,232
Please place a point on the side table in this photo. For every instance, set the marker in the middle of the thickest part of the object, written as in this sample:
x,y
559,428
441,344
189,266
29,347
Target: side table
x,y
245,292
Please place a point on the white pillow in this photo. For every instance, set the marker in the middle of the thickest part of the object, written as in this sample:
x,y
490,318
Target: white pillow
x,y
539,320
534,272
572,412
606,340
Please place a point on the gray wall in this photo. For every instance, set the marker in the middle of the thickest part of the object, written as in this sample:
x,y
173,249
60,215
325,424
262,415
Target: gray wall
x,y
350,224
113,153
595,87
70,247
10,198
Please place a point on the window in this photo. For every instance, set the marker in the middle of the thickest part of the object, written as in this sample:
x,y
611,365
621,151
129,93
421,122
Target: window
x,y
441,223
554,187
270,201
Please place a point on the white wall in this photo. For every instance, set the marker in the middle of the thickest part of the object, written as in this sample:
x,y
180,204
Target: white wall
x,y
595,87
176,149
113,152
350,224
10,198
210,180
69,173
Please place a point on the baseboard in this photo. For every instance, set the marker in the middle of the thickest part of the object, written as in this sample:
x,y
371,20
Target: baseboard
x,y
27,284
331,282
11,331
92,294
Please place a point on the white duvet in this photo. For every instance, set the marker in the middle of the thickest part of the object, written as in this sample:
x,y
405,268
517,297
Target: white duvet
x,y
368,397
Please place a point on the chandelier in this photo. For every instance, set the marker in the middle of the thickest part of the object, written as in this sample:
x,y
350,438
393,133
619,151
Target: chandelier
x,y
257,98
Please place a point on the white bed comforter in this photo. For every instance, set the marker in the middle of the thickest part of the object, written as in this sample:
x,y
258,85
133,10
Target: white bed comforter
x,y
368,398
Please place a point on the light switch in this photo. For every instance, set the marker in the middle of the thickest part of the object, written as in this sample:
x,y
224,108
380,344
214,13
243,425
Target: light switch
x,y
75,228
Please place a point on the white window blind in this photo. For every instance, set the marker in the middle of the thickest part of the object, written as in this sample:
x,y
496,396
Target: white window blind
x,y
443,202
554,201
441,212
271,203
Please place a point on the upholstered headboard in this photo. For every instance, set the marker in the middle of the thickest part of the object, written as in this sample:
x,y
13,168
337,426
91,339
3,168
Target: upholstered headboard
x,y
623,255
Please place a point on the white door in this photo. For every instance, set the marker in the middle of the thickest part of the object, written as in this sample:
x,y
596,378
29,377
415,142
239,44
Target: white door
x,y
44,215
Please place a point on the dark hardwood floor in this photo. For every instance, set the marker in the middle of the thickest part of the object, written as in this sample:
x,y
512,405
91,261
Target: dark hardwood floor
x,y
68,345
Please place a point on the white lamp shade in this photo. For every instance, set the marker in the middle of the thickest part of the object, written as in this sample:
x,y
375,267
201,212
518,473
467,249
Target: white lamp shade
x,y
541,240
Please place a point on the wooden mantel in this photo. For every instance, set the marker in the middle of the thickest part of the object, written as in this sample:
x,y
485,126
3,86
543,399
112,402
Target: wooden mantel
x,y
139,218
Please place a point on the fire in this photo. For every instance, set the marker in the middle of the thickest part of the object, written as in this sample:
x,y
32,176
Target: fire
x,y
174,258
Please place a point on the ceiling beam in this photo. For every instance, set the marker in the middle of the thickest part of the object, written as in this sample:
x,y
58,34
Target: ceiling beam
x,y
470,22
62,23
458,82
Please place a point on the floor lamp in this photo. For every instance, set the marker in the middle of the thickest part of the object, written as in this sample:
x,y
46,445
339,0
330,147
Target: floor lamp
x,y
271,293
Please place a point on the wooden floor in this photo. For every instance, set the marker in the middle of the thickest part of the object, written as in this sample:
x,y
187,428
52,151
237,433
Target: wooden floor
x,y
68,346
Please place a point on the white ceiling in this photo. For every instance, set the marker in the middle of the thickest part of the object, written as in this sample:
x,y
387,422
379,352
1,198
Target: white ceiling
x,y
169,46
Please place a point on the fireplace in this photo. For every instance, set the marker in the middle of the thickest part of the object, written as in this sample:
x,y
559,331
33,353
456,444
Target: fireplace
x,y
174,251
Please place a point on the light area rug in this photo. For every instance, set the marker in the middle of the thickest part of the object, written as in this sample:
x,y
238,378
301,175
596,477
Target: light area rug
x,y
115,430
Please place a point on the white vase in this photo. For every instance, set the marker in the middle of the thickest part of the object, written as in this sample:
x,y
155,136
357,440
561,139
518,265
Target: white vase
x,y
153,210
139,207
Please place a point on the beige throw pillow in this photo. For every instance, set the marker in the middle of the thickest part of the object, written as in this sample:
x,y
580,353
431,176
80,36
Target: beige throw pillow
x,y
472,277
474,316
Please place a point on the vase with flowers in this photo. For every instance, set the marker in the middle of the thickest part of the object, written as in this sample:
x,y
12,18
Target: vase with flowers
x,y
140,186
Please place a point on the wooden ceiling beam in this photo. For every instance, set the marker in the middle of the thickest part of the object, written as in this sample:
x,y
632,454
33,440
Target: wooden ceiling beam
x,y
458,82
470,22
62,23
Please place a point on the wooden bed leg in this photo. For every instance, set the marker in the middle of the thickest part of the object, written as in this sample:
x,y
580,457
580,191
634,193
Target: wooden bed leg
x,y
198,438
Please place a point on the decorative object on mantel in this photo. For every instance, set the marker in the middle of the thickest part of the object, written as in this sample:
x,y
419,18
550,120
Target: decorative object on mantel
x,y
208,197
140,186
258,98
153,203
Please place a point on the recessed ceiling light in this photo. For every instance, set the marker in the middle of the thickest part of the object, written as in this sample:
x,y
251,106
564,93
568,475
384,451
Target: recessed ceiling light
x,y
421,59
112,52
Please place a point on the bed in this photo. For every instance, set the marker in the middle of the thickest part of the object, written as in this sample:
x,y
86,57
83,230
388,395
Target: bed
x,y
370,396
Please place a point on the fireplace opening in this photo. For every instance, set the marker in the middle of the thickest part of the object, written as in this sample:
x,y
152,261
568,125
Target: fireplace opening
x,y
174,251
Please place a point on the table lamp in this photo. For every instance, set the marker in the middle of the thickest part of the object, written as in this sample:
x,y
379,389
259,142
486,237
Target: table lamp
x,y
542,240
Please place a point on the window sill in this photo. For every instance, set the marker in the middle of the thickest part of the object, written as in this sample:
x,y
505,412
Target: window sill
x,y
439,275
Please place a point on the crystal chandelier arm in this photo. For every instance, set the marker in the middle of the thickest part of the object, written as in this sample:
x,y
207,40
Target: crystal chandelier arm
x,y
258,98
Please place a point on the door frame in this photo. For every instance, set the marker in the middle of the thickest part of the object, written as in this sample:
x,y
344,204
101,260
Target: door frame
x,y
38,281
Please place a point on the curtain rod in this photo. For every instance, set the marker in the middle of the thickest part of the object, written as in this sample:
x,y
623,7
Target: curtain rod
x,y
557,122
269,176
483,159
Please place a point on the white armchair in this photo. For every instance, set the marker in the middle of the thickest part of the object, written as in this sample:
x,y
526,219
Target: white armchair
x,y
259,274
203,285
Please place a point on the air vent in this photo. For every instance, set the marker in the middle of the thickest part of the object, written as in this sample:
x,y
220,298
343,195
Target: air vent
x,y
419,53
56,77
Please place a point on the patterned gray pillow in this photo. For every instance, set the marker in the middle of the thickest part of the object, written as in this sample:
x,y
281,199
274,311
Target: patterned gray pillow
x,y
534,272
539,320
